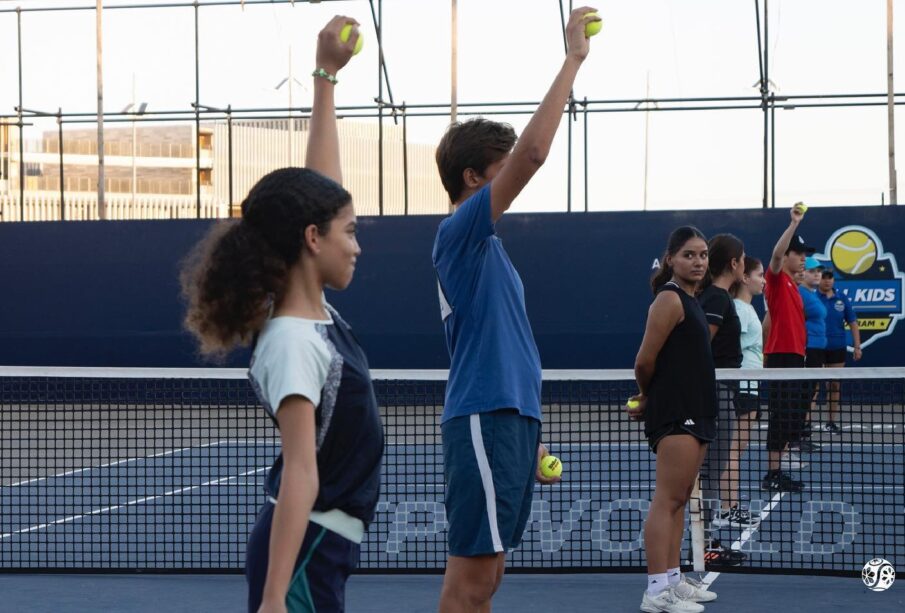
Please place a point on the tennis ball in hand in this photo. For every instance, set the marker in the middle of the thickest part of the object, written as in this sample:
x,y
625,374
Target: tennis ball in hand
x,y
550,466
633,404
346,32
592,27
801,206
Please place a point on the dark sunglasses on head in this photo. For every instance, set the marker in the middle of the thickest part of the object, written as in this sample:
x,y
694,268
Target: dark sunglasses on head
x,y
827,274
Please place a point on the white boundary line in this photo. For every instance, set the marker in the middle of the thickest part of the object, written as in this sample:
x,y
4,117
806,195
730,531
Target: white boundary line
x,y
710,577
725,374
71,518
76,471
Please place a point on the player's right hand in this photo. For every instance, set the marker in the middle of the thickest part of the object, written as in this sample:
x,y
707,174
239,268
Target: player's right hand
x,y
579,45
332,53
797,212
636,413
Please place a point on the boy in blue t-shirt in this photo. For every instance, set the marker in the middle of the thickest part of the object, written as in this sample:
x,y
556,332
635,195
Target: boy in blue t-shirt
x,y
491,418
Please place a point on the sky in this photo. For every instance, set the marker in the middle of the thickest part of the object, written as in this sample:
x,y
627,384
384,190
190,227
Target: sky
x,y
510,50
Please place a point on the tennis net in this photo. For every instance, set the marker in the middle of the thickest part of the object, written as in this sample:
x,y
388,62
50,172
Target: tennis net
x,y
162,470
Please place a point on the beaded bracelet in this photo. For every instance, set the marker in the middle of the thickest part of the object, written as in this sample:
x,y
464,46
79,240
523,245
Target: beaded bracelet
x,y
320,72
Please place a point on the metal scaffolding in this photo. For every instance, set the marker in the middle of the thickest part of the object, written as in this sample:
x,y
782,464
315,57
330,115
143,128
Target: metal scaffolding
x,y
386,108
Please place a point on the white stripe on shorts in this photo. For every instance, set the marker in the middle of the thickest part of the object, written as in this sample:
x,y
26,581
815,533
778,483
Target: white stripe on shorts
x,y
477,441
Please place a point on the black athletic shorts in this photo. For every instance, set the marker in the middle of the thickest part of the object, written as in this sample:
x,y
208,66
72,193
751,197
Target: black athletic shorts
x,y
836,356
703,429
815,358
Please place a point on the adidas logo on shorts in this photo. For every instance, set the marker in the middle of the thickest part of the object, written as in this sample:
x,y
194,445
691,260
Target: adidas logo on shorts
x,y
688,422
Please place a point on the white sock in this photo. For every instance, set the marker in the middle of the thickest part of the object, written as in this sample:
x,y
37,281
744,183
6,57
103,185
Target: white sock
x,y
674,575
657,583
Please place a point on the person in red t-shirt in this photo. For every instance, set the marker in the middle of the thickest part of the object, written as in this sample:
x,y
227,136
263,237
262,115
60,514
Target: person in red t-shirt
x,y
785,348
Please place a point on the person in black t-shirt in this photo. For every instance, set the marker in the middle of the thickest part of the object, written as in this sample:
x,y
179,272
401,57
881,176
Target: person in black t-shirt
x,y
677,400
719,479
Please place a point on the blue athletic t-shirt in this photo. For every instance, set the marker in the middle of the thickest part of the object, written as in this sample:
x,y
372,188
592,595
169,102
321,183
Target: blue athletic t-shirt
x,y
838,311
814,318
494,362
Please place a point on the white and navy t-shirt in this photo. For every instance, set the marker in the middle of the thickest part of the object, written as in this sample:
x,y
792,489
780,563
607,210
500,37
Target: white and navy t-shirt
x,y
323,362
494,362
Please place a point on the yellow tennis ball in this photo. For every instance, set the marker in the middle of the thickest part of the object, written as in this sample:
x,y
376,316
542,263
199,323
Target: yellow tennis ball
x,y
346,32
592,27
802,207
550,466
853,252
633,404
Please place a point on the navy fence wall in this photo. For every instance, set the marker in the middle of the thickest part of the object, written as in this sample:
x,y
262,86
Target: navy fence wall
x,y
106,293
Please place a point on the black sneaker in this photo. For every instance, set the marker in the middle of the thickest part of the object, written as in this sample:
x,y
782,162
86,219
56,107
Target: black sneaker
x,y
776,481
735,517
804,446
717,556
832,428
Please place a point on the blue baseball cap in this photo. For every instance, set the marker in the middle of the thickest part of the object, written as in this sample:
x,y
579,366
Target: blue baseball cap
x,y
811,263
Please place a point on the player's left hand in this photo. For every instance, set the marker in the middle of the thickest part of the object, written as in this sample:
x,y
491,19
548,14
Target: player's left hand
x,y
636,413
332,53
578,44
857,353
541,453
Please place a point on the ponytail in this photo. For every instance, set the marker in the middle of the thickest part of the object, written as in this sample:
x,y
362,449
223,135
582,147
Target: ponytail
x,y
230,280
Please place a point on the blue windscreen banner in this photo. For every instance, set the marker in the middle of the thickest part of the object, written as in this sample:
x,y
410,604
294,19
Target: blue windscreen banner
x,y
107,293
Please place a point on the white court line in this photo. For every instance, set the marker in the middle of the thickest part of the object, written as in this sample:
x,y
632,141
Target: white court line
x,y
710,577
72,518
640,444
591,487
76,471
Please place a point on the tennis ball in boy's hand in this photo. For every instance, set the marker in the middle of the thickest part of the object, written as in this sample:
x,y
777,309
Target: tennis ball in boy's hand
x,y
801,206
346,32
592,27
550,466
633,404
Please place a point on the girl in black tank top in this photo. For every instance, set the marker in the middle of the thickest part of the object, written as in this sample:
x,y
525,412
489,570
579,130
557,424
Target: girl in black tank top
x,y
677,400
683,386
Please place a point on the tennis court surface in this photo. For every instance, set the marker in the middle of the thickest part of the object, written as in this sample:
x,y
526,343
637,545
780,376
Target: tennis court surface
x,y
118,471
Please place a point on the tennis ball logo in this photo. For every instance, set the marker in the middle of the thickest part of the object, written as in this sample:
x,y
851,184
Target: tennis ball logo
x,y
853,252
878,575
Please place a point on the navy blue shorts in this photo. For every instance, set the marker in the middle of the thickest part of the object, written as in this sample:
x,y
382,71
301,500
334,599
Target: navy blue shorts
x,y
489,462
324,563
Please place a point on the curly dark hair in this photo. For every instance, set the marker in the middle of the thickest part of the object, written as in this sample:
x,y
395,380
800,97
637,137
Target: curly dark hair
x,y
239,268
476,144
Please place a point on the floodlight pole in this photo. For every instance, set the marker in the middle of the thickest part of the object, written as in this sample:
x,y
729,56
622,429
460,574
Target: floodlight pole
x,y
134,145
101,201
20,123
891,113
197,121
454,64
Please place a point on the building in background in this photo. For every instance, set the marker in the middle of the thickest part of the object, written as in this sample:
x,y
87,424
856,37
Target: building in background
x,y
150,169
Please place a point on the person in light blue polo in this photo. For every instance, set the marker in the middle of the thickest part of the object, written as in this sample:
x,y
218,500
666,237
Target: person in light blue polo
x,y
815,324
839,311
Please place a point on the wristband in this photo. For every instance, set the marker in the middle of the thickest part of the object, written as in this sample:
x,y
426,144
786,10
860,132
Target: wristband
x,y
320,72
